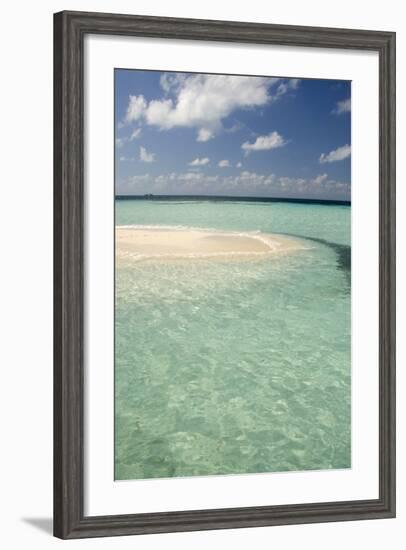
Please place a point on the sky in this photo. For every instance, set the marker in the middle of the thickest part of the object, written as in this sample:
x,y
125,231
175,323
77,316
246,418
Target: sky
x,y
207,134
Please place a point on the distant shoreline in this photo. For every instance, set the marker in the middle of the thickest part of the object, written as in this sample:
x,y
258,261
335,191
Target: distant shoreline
x,y
221,198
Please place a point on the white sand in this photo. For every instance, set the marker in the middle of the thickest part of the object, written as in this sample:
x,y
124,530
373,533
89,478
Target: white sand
x,y
164,244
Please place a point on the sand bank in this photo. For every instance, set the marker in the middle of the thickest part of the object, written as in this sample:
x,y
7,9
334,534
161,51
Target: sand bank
x,y
140,243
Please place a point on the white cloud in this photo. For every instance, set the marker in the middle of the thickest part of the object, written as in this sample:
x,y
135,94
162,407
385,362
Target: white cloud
x,y
320,179
244,184
121,141
145,156
136,134
264,143
203,101
224,163
124,159
171,82
287,85
136,108
199,162
338,154
204,134
342,107
239,164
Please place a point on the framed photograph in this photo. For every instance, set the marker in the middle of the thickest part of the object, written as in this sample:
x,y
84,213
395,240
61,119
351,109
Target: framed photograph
x,y
224,275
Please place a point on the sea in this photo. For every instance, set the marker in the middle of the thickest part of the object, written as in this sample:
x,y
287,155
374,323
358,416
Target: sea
x,y
234,367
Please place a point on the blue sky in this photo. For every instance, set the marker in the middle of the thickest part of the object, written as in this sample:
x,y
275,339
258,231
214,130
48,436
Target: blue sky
x,y
198,134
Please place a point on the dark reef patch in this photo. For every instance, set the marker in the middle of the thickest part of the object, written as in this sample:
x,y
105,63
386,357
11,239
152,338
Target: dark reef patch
x,y
342,251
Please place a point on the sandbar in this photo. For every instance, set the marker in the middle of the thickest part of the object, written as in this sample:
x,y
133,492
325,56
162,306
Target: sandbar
x,y
157,243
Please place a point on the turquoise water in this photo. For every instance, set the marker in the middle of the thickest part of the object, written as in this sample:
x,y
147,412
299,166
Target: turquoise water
x,y
235,367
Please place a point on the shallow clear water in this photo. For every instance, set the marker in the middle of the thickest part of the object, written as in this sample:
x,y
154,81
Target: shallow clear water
x,y
234,367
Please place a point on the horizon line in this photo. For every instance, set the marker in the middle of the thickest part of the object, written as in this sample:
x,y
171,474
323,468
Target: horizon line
x,y
150,196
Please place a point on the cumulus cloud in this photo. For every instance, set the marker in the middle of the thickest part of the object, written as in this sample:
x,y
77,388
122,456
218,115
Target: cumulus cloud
x,y
343,106
204,134
264,143
199,162
145,156
136,108
224,163
171,82
318,180
338,154
203,101
239,164
120,142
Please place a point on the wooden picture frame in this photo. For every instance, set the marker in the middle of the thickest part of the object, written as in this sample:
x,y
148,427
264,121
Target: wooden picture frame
x,y
69,31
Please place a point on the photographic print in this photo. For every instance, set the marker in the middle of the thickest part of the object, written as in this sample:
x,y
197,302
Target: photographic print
x,y
232,274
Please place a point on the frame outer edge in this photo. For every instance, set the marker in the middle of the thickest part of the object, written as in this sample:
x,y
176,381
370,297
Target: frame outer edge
x,y
69,29
68,268
387,274
228,31
57,245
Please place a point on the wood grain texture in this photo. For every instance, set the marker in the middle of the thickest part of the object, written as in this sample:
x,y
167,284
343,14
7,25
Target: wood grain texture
x,y
69,31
